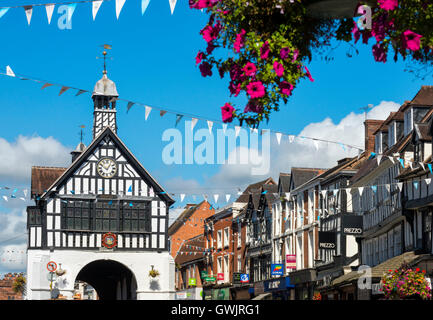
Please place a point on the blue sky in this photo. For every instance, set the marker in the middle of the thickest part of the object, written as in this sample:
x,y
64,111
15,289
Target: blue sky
x,y
153,63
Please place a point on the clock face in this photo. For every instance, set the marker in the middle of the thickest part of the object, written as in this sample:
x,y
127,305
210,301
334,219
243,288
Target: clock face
x,y
106,168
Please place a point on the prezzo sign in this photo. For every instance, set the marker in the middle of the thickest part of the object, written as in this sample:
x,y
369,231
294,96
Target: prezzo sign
x,y
352,225
327,240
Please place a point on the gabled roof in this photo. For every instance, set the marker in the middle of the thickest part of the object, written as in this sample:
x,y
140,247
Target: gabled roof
x,y
43,178
300,176
185,215
422,132
107,132
424,97
254,188
284,182
191,250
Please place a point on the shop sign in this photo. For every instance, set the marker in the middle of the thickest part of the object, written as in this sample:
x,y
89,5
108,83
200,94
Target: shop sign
x,y
220,276
376,288
352,224
327,240
277,269
245,278
210,279
236,277
290,262
180,295
203,274
192,282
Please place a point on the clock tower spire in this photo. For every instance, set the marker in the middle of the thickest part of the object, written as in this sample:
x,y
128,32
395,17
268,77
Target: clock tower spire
x,y
104,100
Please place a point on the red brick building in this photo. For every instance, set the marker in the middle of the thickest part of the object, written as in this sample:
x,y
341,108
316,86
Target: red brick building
x,y
6,287
189,224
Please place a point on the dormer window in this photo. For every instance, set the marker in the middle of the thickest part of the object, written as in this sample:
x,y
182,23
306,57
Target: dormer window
x,y
408,121
378,143
392,134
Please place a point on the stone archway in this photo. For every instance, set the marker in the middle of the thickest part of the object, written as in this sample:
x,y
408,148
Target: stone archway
x,y
111,280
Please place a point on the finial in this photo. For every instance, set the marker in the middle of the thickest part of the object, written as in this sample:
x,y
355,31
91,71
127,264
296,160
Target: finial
x,y
104,53
81,132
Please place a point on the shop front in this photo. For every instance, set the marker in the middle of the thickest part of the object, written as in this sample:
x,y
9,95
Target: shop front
x,y
280,288
189,294
221,293
304,281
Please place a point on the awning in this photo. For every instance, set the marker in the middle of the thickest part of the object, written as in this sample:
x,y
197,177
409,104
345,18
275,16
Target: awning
x,y
262,296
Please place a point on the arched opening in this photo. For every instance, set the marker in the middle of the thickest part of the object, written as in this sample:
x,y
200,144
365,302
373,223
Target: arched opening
x,y
111,280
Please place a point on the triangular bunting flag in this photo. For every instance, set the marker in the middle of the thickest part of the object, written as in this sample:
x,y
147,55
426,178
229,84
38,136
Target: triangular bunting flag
x,y
291,138
49,8
80,92
178,117
6,198
410,165
193,123
374,188
25,192
9,72
95,8
429,167
144,4
210,125
415,184
422,165
388,187
379,157
392,159
3,11
316,144
360,189
119,6
63,90
147,112
400,185
227,197
182,196
216,196
428,181
278,135
401,162
162,112
46,85
29,11
172,5
372,155
71,9
129,106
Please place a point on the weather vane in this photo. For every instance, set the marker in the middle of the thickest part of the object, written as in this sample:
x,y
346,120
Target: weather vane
x,y
104,53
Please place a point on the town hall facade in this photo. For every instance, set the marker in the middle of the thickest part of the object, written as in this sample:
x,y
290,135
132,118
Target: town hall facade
x,y
102,220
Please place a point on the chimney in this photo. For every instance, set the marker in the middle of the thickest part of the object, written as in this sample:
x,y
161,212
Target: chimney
x,y
370,127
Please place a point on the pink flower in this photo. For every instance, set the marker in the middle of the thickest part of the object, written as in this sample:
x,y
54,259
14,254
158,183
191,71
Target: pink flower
x,y
286,88
284,53
250,69
239,42
253,106
199,57
379,53
411,40
235,88
205,69
309,74
279,69
227,112
256,89
207,33
295,55
264,51
388,4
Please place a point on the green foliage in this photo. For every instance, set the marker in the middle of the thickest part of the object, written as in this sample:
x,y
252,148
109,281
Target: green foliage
x,y
19,284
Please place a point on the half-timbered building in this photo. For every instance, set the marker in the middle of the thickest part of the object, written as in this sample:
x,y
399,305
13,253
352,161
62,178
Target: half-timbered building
x,y
102,220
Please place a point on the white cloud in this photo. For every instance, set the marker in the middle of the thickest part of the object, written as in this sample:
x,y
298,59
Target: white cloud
x,y
17,158
299,153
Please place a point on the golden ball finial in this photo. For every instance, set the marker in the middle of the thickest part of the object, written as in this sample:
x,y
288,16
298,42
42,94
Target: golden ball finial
x,y
104,53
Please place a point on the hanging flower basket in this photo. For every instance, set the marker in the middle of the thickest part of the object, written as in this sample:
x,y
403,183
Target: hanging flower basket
x,y
153,273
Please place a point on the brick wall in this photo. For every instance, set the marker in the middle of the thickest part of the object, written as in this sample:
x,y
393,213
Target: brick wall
x,y
370,126
192,227
6,291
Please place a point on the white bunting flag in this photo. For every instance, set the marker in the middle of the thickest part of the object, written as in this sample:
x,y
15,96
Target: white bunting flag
x,y
216,196
287,195
182,196
410,165
278,135
360,189
237,130
3,11
291,138
388,187
6,198
95,8
224,127
25,192
21,198
227,197
144,4
71,9
316,144
210,125
392,159
172,5
379,157
119,6
422,165
29,12
193,123
427,181
49,8
147,112
9,72
400,186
